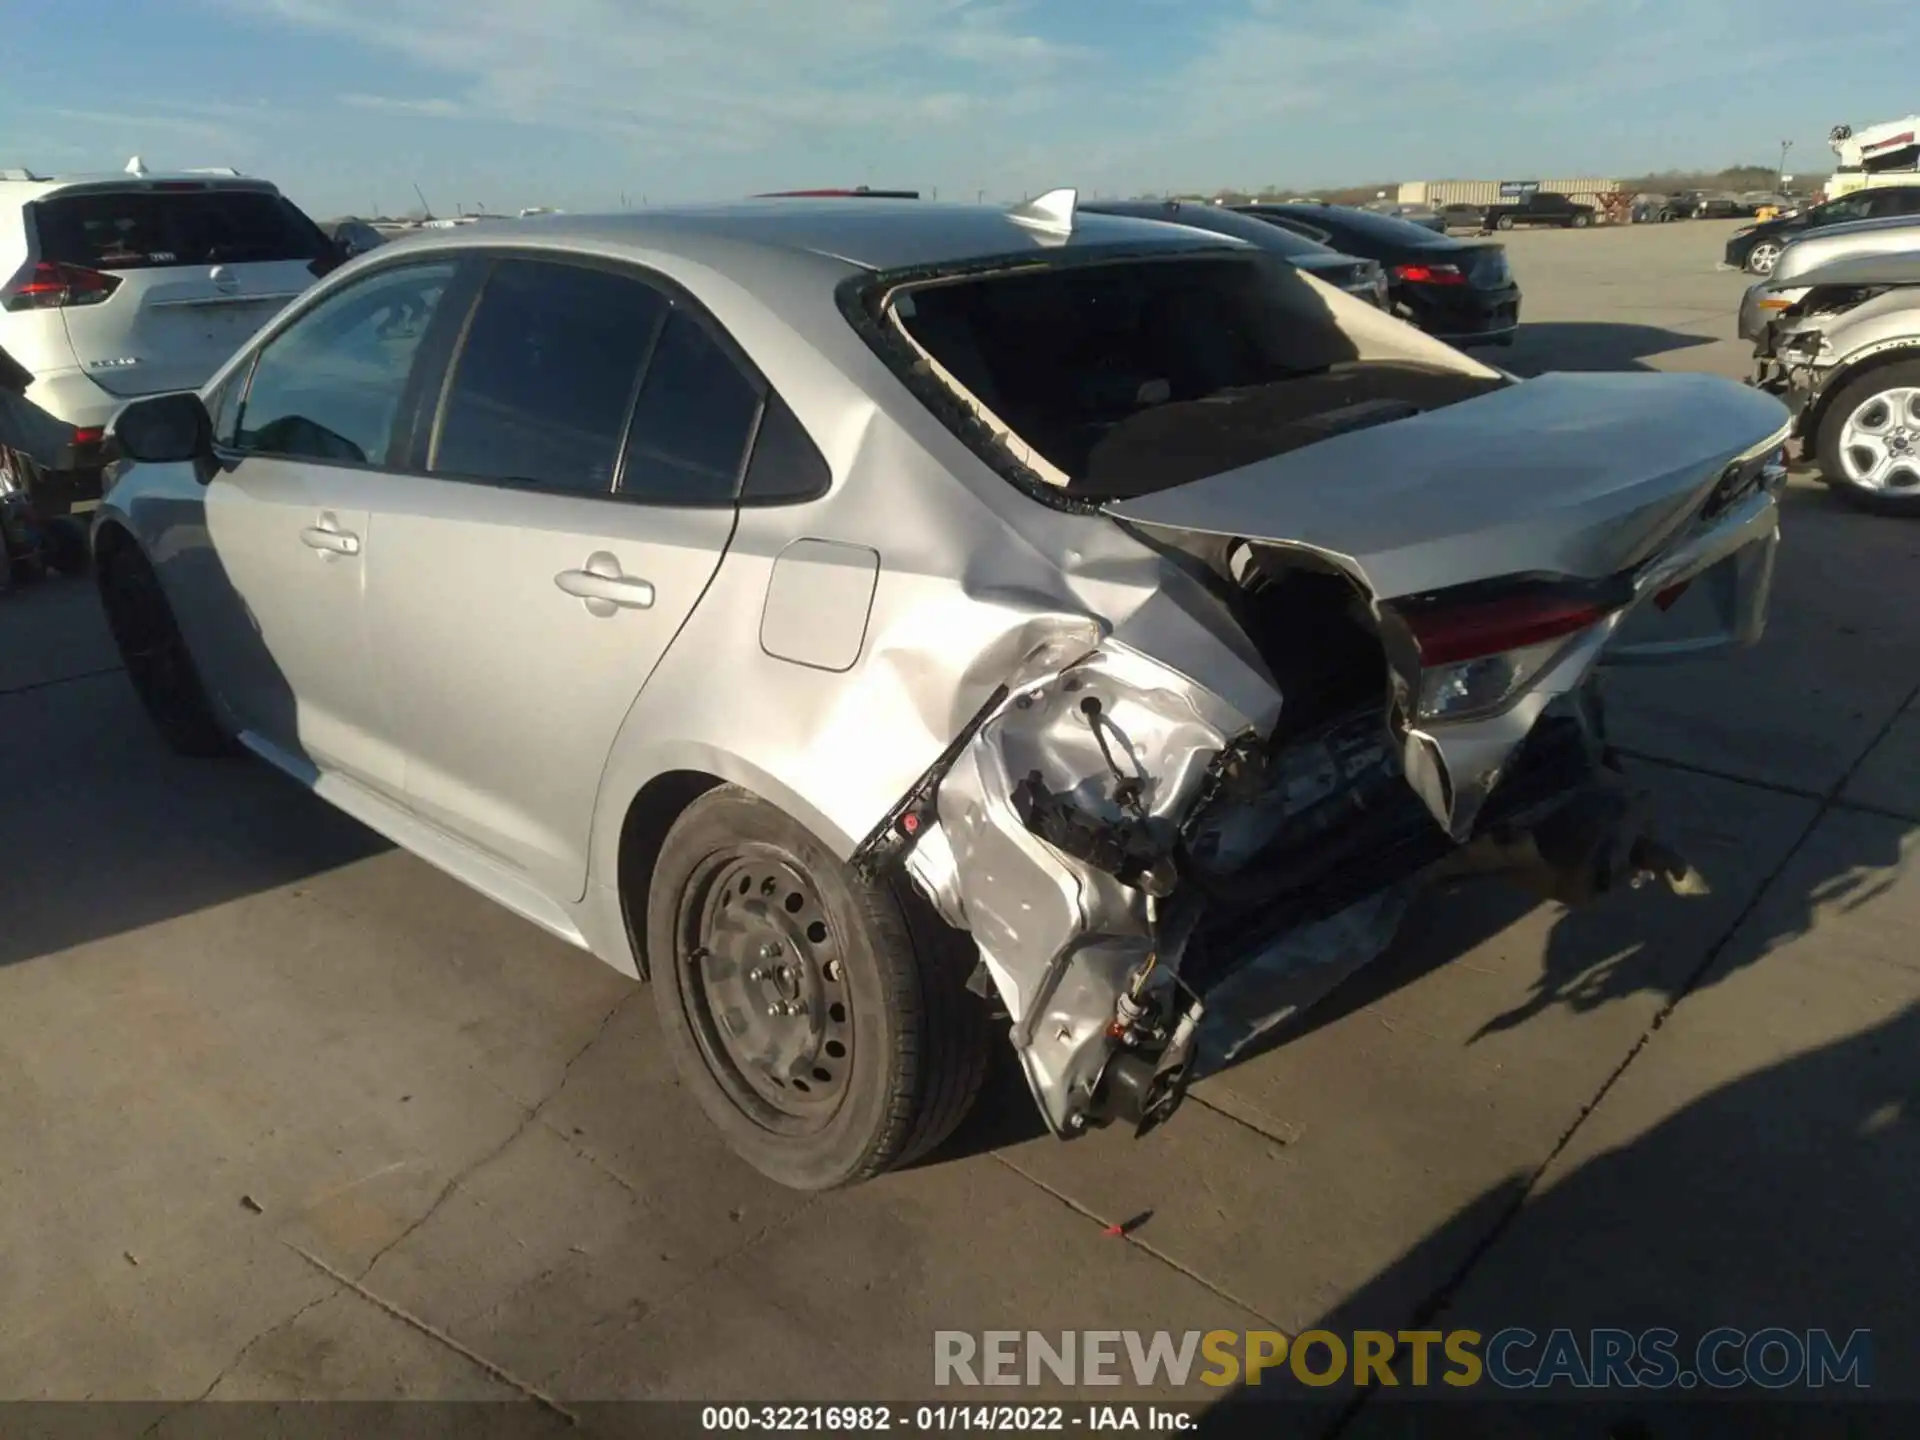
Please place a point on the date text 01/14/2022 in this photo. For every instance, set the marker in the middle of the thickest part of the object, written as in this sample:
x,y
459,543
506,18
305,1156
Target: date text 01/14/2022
x,y
942,1419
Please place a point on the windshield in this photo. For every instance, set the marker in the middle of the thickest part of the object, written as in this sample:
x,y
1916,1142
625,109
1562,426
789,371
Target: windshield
x,y
1124,376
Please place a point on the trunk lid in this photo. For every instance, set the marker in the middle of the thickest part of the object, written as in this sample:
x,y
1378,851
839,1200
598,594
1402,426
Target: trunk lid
x,y
1580,476
199,268
1486,266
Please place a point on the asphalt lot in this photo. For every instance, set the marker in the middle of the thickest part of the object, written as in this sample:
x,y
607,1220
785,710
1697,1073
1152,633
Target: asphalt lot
x,y
286,1114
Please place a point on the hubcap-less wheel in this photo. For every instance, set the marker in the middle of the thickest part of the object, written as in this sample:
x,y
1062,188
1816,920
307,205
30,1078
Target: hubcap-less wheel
x,y
765,988
1880,442
1762,258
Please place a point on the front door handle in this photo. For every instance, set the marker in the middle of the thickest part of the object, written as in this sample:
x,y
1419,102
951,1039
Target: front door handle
x,y
329,539
605,589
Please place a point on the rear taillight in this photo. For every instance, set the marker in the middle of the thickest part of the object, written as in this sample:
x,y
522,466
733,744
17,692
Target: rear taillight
x,y
50,286
1449,634
1430,274
1477,655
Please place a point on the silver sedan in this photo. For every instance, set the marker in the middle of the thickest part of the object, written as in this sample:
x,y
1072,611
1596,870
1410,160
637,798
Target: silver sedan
x,y
886,624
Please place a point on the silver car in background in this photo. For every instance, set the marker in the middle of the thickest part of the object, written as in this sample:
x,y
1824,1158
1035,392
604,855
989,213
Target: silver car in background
x,y
1768,299
1846,358
868,618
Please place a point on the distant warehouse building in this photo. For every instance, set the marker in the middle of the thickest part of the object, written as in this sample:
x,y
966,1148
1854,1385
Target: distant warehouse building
x,y
1589,189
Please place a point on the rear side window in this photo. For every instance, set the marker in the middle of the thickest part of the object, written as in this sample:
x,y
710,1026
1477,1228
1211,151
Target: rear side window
x,y
696,414
546,378
148,229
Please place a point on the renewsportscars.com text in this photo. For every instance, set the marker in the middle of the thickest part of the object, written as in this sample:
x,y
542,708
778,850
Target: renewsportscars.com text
x,y
1516,1358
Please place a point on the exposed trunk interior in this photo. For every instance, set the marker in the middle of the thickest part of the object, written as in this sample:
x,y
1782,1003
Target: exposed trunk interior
x,y
1214,431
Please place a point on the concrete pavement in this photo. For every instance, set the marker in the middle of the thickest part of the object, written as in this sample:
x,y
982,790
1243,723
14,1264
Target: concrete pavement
x,y
284,1113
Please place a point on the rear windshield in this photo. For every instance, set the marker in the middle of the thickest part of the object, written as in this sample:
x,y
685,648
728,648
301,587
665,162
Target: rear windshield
x,y
144,229
1113,377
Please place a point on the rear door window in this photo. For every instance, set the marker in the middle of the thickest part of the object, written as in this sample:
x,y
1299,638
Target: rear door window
x,y
149,229
544,384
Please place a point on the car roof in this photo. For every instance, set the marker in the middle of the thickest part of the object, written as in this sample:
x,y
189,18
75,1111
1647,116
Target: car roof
x,y
870,234
21,186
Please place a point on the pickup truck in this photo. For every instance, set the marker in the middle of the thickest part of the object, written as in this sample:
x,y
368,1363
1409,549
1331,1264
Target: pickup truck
x,y
1543,207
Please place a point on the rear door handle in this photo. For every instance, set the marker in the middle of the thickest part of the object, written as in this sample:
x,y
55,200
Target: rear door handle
x,y
328,538
605,589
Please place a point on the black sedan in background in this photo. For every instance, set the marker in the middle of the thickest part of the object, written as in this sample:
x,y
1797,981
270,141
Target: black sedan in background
x,y
1461,291
1363,278
1755,248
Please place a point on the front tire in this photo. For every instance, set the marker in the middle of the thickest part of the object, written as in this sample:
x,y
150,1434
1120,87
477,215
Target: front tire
x,y
1580,222
1869,441
1505,222
155,655
1763,257
822,1022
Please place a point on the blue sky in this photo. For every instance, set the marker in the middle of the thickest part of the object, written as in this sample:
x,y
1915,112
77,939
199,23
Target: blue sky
x,y
575,103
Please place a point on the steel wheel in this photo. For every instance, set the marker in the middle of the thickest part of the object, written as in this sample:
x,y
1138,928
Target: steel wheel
x,y
1763,257
1880,442
764,987
820,1018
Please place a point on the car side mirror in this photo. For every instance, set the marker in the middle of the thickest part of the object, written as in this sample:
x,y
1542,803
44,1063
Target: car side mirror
x,y
164,430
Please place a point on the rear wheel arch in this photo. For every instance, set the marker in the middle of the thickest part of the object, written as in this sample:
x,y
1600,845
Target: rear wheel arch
x,y
649,816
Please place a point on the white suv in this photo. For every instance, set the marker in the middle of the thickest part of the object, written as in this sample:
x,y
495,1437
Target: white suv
x,y
118,286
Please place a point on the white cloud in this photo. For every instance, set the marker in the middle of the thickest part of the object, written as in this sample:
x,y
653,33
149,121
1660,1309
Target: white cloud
x,y
404,105
688,97
687,75
199,135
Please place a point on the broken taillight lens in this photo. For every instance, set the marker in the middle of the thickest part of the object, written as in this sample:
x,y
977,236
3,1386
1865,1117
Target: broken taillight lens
x,y
1477,655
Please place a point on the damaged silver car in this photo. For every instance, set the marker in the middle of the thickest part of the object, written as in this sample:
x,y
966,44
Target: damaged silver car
x,y
1845,356
886,625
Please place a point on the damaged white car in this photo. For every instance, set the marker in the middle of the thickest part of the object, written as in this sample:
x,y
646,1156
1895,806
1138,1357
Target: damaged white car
x,y
889,625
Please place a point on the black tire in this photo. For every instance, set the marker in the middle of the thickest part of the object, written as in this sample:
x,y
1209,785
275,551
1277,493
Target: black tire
x,y
1504,222
155,655
66,545
870,959
1850,398
1580,222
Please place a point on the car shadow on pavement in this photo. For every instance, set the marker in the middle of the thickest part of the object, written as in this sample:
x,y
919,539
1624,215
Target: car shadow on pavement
x,y
1778,1198
1542,346
1778,1195
105,830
